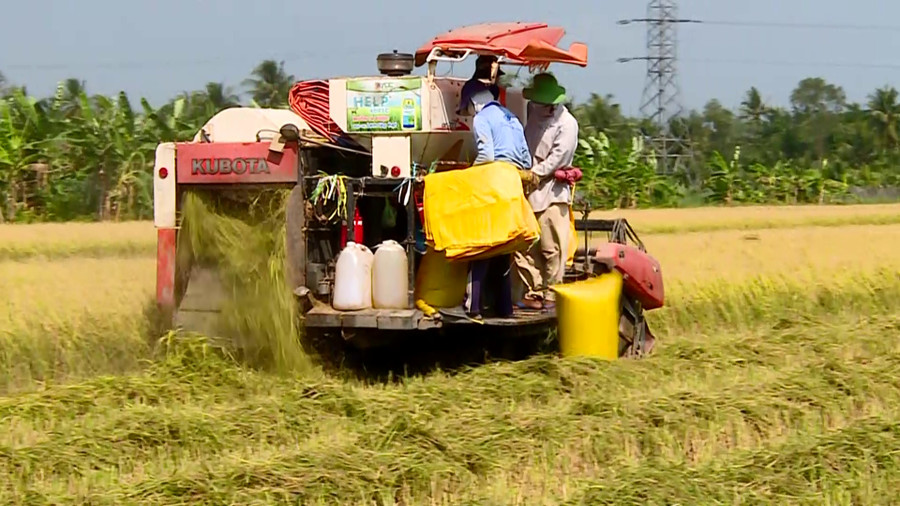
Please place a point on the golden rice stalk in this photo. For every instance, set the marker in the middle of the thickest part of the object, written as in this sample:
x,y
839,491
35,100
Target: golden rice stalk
x,y
248,247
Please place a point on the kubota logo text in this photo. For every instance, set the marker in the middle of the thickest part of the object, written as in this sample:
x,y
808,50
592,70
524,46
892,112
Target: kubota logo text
x,y
229,166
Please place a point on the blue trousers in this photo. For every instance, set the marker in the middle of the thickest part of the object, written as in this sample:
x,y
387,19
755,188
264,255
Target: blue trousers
x,y
490,277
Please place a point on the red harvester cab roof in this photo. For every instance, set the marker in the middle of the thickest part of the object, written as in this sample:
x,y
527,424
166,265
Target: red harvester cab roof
x,y
523,43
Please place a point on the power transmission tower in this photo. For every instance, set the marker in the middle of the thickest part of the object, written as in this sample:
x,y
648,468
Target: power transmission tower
x,y
661,101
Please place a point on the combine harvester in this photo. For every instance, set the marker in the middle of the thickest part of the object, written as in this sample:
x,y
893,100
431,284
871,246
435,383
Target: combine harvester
x,y
347,149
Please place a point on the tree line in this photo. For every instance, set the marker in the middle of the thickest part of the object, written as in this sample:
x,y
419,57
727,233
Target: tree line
x,y
77,156
822,148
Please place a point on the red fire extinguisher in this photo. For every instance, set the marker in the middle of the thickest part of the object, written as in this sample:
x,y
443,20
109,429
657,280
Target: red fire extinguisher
x,y
357,229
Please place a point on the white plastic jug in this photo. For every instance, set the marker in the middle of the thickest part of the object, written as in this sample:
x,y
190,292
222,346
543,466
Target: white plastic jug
x,y
390,277
353,278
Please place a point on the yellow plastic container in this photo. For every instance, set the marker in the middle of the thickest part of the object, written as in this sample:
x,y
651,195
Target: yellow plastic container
x,y
588,317
440,282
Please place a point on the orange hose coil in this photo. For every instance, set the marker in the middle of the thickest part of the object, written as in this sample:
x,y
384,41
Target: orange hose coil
x,y
309,99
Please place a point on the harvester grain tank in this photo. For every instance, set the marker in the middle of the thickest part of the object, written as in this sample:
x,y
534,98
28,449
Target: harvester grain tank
x,y
353,150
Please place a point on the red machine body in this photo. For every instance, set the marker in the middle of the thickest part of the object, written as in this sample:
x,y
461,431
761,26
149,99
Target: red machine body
x,y
235,163
641,273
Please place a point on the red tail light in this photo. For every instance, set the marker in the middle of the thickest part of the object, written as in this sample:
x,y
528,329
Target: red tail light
x,y
163,173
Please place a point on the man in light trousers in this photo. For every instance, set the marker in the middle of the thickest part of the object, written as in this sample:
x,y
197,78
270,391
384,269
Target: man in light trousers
x,y
552,135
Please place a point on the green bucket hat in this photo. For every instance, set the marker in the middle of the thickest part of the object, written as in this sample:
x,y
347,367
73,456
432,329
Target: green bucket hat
x,y
545,90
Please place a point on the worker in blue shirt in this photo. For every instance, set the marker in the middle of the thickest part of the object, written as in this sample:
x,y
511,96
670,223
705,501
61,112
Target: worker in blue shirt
x,y
499,137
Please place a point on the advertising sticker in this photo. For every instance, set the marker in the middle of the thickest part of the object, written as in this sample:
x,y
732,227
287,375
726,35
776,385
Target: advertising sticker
x,y
384,105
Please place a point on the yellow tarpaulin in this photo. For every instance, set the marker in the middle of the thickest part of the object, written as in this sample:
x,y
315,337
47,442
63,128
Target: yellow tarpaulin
x,y
478,212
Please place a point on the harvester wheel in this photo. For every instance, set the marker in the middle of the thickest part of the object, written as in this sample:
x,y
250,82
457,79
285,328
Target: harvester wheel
x,y
635,338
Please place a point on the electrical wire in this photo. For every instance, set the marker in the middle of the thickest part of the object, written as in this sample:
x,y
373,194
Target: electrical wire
x,y
814,26
796,63
314,55
144,64
765,24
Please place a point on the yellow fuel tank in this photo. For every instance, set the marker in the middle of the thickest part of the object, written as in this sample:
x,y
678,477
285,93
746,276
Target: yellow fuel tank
x,y
588,316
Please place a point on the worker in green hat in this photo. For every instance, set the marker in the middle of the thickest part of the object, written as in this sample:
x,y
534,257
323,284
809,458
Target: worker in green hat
x,y
551,132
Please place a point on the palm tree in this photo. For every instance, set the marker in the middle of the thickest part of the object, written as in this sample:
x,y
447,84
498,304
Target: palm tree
x,y
220,96
754,111
68,97
270,84
753,108
602,114
203,104
885,110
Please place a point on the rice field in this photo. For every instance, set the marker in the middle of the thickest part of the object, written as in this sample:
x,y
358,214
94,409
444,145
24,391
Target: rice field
x,y
755,217
774,382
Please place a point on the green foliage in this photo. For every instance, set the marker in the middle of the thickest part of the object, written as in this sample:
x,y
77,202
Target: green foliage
x,y
615,176
270,84
821,150
76,156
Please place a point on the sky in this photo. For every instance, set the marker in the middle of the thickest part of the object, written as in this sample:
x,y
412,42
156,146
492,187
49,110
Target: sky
x,y
158,48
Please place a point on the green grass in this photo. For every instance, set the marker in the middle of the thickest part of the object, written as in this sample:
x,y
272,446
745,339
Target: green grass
x,y
791,398
775,390
764,414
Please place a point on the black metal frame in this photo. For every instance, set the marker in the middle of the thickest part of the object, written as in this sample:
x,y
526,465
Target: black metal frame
x,y
618,230
358,187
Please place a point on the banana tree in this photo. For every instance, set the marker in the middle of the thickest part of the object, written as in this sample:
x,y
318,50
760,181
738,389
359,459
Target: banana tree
x,y
113,145
763,182
643,183
605,165
170,122
725,182
621,177
591,156
21,141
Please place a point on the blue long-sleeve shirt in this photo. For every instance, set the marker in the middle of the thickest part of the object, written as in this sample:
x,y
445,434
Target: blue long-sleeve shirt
x,y
499,136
